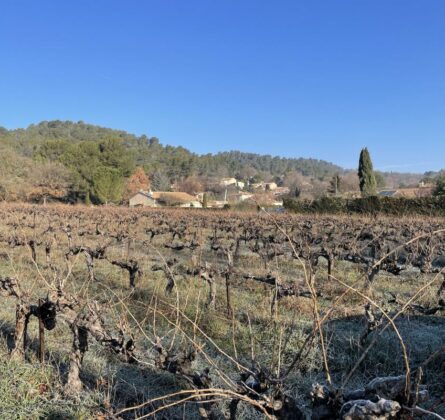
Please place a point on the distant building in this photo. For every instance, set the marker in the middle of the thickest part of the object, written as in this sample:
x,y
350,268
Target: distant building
x,y
240,184
228,182
164,199
239,197
387,193
265,186
266,200
142,199
424,184
225,182
216,204
176,199
408,192
281,191
270,186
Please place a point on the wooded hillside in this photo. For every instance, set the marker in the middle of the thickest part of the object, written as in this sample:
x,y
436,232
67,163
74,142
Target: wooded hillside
x,y
92,162
75,161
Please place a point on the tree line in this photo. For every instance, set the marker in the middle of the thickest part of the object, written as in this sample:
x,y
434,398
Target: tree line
x,y
79,162
88,163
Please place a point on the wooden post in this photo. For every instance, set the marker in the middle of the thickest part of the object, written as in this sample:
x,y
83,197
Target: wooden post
x,y
229,306
41,336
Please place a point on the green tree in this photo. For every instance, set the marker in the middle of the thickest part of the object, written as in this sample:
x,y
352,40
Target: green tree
x,y
380,180
114,154
439,190
205,202
83,160
335,185
160,181
108,185
368,184
86,161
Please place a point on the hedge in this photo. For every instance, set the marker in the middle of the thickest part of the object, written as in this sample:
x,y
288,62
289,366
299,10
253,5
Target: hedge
x,y
431,206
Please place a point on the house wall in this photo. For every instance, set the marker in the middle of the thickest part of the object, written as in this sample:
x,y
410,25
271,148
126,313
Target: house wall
x,y
228,181
142,200
242,197
195,204
216,204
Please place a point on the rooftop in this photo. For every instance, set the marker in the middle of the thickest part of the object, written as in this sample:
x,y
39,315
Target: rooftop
x,y
180,196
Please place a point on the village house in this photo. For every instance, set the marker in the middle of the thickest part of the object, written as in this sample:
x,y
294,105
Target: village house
x,y
257,185
427,185
270,186
265,200
226,182
164,199
200,196
216,204
239,197
264,186
142,199
281,191
407,192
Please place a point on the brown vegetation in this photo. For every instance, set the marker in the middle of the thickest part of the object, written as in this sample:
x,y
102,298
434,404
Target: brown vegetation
x,y
253,315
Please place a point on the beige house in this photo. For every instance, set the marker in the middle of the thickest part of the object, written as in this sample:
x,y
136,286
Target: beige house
x,y
164,199
225,182
216,204
265,186
142,199
240,197
270,186
176,199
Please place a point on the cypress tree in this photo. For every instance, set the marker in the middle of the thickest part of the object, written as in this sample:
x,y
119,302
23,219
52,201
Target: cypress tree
x,y
368,184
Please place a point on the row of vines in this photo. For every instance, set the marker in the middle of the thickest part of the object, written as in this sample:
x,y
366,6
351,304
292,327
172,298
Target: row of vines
x,y
245,312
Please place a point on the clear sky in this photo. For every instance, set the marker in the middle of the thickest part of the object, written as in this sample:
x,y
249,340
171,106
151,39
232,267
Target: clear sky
x,y
312,78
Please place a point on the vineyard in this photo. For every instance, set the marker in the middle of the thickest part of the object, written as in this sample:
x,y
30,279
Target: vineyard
x,y
112,313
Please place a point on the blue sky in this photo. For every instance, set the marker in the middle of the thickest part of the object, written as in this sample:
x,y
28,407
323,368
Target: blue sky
x,y
313,78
